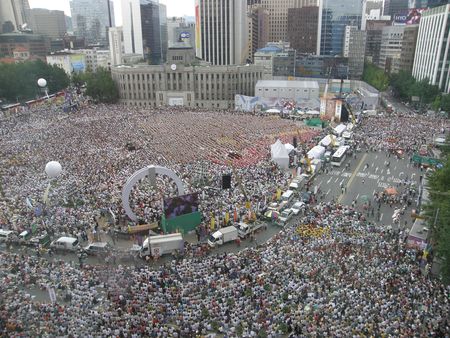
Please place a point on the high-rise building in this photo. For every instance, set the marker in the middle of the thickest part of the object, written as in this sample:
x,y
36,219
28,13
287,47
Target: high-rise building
x,y
258,28
116,46
392,7
91,19
355,50
335,16
278,14
373,10
49,23
221,31
409,47
391,48
302,28
374,29
14,14
431,60
145,29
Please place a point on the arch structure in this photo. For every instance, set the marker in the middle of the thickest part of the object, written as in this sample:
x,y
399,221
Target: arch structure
x,y
149,171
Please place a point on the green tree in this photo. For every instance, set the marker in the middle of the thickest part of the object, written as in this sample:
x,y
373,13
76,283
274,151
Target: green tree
x,y
18,82
445,103
402,84
375,76
100,86
438,213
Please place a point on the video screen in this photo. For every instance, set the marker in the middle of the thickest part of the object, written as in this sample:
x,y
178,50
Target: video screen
x,y
181,205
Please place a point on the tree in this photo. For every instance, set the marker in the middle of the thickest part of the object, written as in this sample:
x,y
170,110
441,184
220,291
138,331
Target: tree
x,y
375,76
438,213
402,84
445,103
18,82
99,85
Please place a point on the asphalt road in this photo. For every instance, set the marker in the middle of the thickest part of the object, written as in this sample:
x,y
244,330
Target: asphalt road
x,y
361,182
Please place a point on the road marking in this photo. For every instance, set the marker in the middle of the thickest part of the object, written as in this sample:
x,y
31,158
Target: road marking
x,y
395,168
376,156
319,185
337,179
328,182
350,181
381,217
373,194
342,182
328,191
357,196
376,169
382,170
373,164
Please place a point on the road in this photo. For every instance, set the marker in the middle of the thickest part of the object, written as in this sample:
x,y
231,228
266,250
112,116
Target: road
x,y
368,173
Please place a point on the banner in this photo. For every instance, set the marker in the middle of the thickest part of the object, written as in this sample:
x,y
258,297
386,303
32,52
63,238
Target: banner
x,y
409,17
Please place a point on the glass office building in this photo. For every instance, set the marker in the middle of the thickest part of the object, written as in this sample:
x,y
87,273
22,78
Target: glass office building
x,y
336,15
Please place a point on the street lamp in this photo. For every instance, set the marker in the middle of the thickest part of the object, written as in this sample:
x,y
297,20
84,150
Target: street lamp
x,y
42,83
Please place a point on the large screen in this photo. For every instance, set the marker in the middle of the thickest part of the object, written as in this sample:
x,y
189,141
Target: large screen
x,y
411,17
181,205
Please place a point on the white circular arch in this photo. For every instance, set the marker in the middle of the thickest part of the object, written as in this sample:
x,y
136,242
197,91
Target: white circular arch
x,y
151,172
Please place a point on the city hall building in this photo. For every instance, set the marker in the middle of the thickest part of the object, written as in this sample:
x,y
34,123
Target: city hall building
x,y
184,81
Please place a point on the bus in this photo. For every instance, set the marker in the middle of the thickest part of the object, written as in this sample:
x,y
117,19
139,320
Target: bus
x,y
339,156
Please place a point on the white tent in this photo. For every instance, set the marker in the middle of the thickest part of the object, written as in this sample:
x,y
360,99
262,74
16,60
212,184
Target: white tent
x,y
316,152
326,141
279,154
289,147
313,112
340,129
273,111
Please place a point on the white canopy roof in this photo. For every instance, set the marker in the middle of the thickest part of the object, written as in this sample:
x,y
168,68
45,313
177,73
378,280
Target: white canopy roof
x,y
279,154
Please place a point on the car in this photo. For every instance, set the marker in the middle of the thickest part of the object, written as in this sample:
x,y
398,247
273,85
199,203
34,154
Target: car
x,y
97,248
297,207
285,216
7,236
65,244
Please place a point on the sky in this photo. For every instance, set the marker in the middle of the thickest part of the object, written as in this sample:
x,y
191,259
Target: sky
x,y
174,7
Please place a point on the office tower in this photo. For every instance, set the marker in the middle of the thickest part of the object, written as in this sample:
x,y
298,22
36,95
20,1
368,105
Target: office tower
x,y
431,60
391,48
409,47
145,29
335,16
392,7
48,23
354,50
258,28
221,31
374,29
14,14
278,15
373,10
91,19
302,28
116,46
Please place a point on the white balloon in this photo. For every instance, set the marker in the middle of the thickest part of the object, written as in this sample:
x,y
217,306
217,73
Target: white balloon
x,y
42,82
53,169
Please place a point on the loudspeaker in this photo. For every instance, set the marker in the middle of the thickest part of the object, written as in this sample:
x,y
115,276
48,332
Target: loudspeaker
x,y
226,181
294,142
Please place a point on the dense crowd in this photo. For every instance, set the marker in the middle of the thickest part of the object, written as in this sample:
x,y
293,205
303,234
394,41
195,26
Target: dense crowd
x,y
99,147
328,273
356,280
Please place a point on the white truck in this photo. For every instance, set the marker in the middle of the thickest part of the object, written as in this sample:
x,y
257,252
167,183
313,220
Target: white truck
x,y
222,236
244,229
157,246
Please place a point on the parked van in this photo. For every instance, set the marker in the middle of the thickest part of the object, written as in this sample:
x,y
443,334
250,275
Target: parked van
x,y
6,235
65,244
287,196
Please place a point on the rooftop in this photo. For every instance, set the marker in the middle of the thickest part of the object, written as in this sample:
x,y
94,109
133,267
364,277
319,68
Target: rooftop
x,y
287,84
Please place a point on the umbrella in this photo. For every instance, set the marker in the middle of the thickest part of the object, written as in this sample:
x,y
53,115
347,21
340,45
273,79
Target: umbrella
x,y
391,191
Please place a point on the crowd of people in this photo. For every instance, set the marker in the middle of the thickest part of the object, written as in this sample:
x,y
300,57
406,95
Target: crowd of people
x,y
356,279
330,272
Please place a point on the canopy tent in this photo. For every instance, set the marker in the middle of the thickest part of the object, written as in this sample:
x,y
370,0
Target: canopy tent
x,y
273,111
391,191
313,112
340,129
316,152
279,154
326,141
289,147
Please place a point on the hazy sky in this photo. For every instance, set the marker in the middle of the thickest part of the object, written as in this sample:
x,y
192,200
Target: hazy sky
x,y
174,7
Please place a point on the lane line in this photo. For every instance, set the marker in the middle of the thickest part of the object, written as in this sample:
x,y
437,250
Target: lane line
x,y
328,182
350,181
381,217
357,196
328,191
337,179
